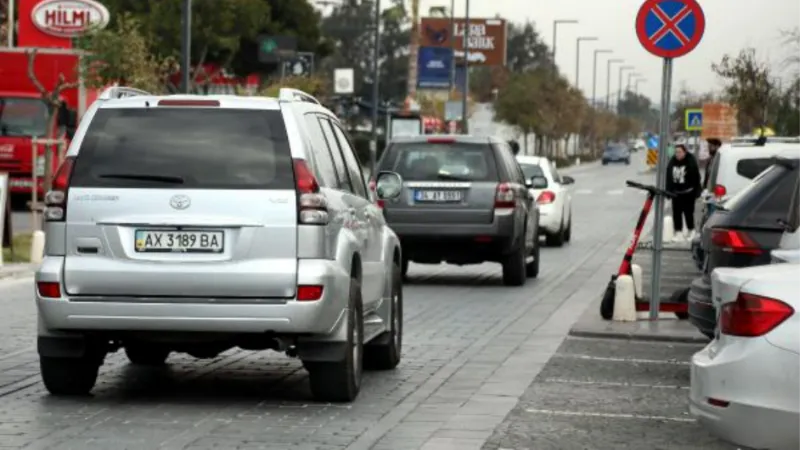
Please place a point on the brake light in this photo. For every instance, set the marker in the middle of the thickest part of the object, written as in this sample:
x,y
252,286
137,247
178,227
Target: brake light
x,y
312,205
441,140
546,198
734,241
373,187
309,293
504,196
56,199
188,102
48,289
720,191
753,315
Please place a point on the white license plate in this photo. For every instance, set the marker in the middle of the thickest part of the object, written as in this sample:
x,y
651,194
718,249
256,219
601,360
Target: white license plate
x,y
437,196
179,241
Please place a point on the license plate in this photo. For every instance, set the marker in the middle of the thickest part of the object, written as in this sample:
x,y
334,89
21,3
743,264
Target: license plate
x,y
437,196
165,241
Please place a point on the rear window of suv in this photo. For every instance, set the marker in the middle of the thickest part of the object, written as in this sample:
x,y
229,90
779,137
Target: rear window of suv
x,y
183,148
750,168
423,161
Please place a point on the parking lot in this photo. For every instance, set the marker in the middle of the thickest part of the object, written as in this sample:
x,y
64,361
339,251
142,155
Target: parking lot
x,y
472,349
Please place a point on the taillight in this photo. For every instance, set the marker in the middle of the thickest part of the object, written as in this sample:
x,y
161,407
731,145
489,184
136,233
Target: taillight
x,y
373,187
504,196
753,315
188,102
720,191
312,205
309,293
734,241
48,289
546,197
56,199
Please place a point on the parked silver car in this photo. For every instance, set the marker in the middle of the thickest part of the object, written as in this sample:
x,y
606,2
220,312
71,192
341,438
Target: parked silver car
x,y
197,224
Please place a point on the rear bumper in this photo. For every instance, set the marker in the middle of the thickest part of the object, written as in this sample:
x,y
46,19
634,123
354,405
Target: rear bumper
x,y
550,219
702,313
96,313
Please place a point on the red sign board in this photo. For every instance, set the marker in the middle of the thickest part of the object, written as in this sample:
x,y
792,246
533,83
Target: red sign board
x,y
54,23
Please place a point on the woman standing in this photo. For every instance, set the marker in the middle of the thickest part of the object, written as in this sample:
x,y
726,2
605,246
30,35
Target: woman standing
x,y
683,179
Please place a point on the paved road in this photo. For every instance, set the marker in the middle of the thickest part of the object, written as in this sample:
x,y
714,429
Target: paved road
x,y
472,349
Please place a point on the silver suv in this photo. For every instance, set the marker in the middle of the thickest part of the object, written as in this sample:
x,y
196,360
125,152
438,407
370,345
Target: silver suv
x,y
197,224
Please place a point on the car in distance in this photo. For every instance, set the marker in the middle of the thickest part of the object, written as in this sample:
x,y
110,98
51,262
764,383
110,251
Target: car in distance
x,y
231,222
464,201
553,194
616,153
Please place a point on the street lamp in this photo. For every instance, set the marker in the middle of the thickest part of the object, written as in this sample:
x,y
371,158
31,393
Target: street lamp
x,y
555,32
630,77
186,44
608,80
465,92
594,74
578,58
636,84
619,91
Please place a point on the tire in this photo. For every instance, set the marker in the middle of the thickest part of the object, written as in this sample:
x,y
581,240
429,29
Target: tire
x,y
627,162
605,163
146,355
568,231
607,303
681,296
340,381
557,239
385,351
514,268
532,268
69,376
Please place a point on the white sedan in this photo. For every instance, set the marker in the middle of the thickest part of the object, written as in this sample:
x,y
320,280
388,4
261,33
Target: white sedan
x,y
553,194
745,385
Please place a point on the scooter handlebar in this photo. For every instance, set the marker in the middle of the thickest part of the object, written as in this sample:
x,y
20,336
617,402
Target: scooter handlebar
x,y
649,188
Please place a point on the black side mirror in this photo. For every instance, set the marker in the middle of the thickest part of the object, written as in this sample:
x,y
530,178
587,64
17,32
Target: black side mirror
x,y
514,147
538,182
567,180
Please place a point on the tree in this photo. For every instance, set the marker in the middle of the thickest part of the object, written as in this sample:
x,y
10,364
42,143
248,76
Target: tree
x,y
686,99
348,30
748,85
519,103
791,39
121,54
314,85
3,22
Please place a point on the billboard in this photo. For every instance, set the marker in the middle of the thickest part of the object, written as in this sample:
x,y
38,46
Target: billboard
x,y
487,39
434,65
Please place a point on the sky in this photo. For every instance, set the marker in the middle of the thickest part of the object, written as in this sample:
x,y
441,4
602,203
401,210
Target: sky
x,y
731,25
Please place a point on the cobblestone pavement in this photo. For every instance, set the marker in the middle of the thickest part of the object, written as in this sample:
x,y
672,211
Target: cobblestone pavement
x,y
472,347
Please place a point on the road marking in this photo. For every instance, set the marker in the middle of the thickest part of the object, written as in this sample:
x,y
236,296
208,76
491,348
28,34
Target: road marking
x,y
613,383
616,192
583,191
610,415
623,360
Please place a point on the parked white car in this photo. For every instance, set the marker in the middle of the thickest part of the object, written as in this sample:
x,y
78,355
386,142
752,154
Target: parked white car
x,y
553,194
745,385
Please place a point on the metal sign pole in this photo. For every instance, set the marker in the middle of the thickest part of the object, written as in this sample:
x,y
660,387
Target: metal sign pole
x,y
661,181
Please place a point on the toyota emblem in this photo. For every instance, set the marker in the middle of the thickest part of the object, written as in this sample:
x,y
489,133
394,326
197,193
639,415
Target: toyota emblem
x,y
180,201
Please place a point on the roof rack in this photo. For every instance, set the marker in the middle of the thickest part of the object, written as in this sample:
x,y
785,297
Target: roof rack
x,y
296,95
116,92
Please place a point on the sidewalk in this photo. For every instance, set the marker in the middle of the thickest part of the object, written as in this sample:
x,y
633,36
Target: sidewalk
x,y
16,270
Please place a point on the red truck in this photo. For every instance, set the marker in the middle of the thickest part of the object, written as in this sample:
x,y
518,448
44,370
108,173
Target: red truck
x,y
24,115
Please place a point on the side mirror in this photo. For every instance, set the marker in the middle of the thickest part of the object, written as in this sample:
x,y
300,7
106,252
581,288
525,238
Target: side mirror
x,y
388,185
567,180
538,182
514,147
529,184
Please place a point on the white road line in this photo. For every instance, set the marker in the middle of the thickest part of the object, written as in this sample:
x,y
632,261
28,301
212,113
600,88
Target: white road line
x,y
616,192
609,415
614,384
583,191
622,360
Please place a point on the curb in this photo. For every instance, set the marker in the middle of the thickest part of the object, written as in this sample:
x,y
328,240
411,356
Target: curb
x,y
16,274
638,337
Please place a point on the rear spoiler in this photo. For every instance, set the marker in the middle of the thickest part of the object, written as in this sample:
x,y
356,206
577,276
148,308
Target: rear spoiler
x,y
116,92
788,163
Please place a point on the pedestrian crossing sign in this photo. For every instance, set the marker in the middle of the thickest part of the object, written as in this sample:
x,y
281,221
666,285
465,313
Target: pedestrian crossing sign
x,y
694,120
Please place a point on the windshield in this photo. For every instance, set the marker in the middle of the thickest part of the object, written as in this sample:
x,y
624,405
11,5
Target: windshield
x,y
734,201
532,170
23,117
615,149
451,161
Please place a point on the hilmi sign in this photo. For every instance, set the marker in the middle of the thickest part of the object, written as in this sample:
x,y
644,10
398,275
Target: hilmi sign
x,y
69,18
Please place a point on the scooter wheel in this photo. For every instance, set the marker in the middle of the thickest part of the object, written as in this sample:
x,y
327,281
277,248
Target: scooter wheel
x,y
607,304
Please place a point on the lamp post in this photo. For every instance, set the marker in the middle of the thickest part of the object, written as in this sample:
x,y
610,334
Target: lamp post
x,y
630,78
578,58
373,146
556,23
608,80
636,84
594,74
186,45
619,90
465,92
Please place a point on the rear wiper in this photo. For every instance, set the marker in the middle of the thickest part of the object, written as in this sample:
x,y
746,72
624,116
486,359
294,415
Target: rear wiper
x,y
447,176
132,176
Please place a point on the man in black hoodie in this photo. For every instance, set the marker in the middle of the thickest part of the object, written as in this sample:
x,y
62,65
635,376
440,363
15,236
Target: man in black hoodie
x,y
683,179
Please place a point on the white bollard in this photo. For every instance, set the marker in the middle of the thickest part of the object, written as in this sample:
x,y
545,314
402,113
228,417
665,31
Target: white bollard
x,y
624,299
577,161
668,232
636,273
37,247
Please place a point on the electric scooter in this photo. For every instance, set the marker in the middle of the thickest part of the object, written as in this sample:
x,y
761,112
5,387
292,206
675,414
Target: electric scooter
x,y
607,304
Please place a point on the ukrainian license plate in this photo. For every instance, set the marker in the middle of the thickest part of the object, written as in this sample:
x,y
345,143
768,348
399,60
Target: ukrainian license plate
x,y
165,241
438,196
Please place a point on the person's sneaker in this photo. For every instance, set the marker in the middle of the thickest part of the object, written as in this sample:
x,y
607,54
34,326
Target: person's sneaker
x,y
692,235
678,238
